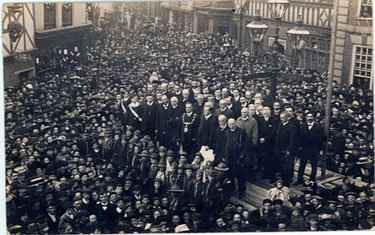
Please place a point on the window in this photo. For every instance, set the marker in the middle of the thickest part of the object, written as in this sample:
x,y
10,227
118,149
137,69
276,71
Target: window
x,y
365,9
316,53
49,15
67,14
362,66
90,11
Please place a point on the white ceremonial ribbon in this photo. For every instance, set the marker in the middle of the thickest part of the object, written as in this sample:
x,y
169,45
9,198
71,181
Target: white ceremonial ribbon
x,y
133,112
122,106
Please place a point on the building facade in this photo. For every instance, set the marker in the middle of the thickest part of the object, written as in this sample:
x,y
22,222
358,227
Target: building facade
x,y
353,40
181,12
354,43
40,36
61,31
353,46
19,47
316,15
214,18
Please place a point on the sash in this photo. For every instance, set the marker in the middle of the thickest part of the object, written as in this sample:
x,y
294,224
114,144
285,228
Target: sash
x,y
133,112
122,106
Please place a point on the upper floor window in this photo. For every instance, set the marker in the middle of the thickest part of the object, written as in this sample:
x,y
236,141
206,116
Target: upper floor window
x,y
49,15
67,14
362,71
365,9
90,11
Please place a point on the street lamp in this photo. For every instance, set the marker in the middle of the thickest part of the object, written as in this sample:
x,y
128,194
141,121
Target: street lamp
x,y
298,37
256,31
277,9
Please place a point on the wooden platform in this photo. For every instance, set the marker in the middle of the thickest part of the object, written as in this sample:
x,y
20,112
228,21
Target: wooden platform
x,y
257,190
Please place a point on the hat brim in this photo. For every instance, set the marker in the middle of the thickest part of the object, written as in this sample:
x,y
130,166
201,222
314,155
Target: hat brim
x,y
175,190
221,169
364,163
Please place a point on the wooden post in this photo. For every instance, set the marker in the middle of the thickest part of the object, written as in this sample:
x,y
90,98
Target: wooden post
x,y
329,85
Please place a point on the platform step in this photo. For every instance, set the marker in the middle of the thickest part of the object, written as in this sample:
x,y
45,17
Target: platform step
x,y
245,204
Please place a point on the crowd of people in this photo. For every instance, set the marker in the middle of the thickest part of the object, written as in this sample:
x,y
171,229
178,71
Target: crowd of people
x,y
157,132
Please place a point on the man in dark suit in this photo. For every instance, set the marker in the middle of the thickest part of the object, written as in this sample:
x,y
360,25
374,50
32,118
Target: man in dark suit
x,y
297,124
285,147
276,110
312,141
52,219
164,113
234,156
188,129
104,209
267,127
236,103
149,116
219,139
85,144
206,128
174,121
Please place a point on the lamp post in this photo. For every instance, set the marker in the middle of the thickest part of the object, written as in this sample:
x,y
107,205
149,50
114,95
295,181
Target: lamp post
x,y
277,9
242,7
298,37
257,30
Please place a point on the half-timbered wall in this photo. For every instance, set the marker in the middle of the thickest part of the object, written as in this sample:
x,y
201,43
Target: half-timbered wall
x,y
27,20
313,14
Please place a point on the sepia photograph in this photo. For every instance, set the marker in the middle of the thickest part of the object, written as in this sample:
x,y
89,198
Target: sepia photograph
x,y
217,116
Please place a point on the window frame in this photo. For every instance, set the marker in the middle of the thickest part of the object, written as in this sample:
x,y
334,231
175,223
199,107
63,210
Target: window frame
x,y
360,3
48,25
360,63
70,17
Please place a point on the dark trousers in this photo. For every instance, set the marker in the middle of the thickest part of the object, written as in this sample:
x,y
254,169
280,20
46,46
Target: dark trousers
x,y
239,171
267,162
249,162
163,138
286,166
302,166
